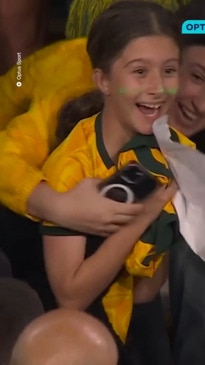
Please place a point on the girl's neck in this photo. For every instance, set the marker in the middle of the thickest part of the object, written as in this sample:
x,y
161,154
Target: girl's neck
x,y
115,135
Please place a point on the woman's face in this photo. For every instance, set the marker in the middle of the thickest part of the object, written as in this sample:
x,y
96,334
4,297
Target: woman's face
x,y
189,109
142,83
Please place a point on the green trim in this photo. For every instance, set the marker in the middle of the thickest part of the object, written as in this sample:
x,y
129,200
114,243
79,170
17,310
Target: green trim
x,y
58,231
179,238
166,232
147,160
162,233
100,143
141,145
140,141
174,135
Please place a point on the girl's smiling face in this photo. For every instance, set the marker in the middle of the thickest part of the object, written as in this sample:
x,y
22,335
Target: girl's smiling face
x,y
142,82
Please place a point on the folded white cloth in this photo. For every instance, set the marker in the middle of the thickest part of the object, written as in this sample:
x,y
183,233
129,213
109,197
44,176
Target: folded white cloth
x,y
188,168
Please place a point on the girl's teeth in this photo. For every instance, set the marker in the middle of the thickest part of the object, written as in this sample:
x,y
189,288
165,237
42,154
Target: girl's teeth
x,y
151,106
148,111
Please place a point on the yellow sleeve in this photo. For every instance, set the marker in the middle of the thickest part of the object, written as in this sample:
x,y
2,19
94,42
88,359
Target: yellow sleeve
x,y
69,164
63,64
25,145
14,100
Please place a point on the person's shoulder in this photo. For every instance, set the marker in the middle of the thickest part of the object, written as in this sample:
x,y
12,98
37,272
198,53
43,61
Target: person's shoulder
x,y
80,134
64,64
72,156
75,47
88,126
56,48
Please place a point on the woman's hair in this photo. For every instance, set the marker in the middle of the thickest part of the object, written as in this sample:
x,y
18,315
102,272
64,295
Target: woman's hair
x,y
195,9
110,33
81,16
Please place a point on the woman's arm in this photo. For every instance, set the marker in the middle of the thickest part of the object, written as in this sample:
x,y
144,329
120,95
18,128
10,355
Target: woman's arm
x,y
82,208
25,145
77,282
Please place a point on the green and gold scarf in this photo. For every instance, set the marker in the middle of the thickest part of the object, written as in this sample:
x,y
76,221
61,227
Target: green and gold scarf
x,y
149,251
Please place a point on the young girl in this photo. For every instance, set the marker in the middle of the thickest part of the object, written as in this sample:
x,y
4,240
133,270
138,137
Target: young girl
x,y
134,53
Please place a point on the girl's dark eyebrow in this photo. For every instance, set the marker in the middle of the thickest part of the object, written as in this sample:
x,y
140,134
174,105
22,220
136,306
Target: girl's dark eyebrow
x,y
136,60
148,61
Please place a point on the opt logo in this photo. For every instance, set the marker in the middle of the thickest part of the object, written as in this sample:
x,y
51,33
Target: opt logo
x,y
193,27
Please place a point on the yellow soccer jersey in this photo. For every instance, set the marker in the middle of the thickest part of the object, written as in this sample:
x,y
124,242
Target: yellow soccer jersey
x,y
83,154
